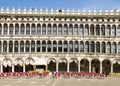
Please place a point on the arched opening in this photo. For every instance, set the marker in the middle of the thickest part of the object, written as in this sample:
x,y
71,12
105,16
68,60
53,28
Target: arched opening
x,y
29,66
49,46
22,30
60,29
65,46
116,67
118,30
92,46
108,30
70,46
103,30
11,29
18,67
113,50
70,29
75,29
43,46
65,29
0,29
38,46
97,47
54,46
81,46
5,29
95,66
73,65
32,46
5,46
27,29
119,47
49,29
33,29
7,65
27,47
108,47
10,46
86,32
86,46
106,66
113,30
103,47
62,66
60,46
97,30
38,29
44,29
92,30
16,46
52,65
16,29
84,65
81,31
21,46
54,29
76,46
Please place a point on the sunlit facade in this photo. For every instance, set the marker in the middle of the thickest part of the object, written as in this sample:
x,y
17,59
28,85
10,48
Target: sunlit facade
x,y
81,41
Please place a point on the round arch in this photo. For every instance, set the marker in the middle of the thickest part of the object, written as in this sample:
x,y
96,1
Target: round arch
x,y
95,65
51,65
62,65
73,65
84,65
29,64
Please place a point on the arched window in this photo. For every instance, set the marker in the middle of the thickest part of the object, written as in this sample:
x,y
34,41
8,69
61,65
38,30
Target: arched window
x,y
65,29
86,30
97,30
92,46
118,30
113,30
49,29
27,46
108,47
0,29
22,30
103,30
38,29
54,46
54,29
5,29
113,47
97,47
75,29
81,31
92,29
60,29
108,30
49,46
86,46
38,46
16,46
81,46
16,29
76,46
60,46
70,46
119,47
27,29
70,29
33,29
43,46
43,29
103,47
65,46
10,46
21,46
11,29
5,46
32,46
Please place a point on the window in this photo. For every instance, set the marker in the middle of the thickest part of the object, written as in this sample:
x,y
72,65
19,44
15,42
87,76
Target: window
x,y
5,29
38,46
38,29
65,29
70,29
113,47
119,47
11,29
32,46
10,46
16,46
49,46
27,29
27,46
103,47
103,30
54,29
97,47
76,29
86,30
97,30
92,30
44,29
81,30
54,46
49,29
92,47
21,46
65,46
108,47
86,46
16,29
118,30
33,29
70,46
113,30
43,46
76,46
59,29
108,30
60,46
81,46
22,29
5,46
0,29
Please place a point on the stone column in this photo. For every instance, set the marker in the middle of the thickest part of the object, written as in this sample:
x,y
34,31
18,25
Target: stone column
x,y
2,46
117,47
89,66
111,67
7,46
78,67
100,66
25,29
13,46
68,67
57,66
35,46
1,67
23,67
13,68
95,46
13,29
